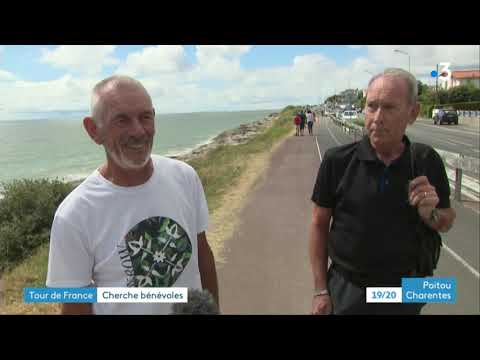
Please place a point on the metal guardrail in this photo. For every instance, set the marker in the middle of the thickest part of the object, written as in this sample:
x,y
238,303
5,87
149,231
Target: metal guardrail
x,y
457,161
349,127
460,163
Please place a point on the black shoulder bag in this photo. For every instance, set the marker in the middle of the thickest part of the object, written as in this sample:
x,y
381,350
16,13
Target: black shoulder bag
x,y
429,240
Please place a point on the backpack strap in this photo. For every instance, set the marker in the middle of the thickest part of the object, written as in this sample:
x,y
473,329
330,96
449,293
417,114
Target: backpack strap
x,y
429,241
418,159
412,161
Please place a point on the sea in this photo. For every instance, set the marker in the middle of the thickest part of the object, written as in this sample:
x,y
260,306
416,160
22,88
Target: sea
x,y
61,148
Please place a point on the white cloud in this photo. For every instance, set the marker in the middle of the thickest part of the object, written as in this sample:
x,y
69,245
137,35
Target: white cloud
x,y
307,79
206,52
84,59
155,60
219,61
218,81
62,94
356,47
6,76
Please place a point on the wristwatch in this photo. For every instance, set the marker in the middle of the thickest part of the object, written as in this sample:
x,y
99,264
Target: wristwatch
x,y
320,292
434,215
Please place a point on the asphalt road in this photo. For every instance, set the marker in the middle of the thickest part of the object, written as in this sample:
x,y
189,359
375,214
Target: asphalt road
x,y
458,139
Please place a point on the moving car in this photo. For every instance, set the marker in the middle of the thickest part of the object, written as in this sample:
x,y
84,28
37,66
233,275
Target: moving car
x,y
350,115
448,116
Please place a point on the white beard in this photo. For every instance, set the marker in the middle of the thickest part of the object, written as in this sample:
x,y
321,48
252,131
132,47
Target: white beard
x,y
125,163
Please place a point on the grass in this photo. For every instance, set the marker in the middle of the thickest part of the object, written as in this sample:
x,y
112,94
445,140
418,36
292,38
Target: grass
x,y
219,170
30,273
360,122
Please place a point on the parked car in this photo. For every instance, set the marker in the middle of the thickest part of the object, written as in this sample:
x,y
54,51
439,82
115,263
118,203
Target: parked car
x,y
349,115
448,116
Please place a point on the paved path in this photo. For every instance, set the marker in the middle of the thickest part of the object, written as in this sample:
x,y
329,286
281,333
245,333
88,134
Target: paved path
x,y
267,269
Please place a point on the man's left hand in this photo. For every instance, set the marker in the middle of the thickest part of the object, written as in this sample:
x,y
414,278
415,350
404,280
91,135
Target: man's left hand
x,y
423,195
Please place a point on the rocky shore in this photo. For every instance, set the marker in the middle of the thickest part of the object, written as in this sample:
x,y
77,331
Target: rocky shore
x,y
239,135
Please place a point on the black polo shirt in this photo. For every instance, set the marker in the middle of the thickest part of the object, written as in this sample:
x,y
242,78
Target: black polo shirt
x,y
373,227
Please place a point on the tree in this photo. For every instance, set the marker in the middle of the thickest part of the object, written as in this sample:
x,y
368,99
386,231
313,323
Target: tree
x,y
420,88
475,96
464,93
423,89
443,96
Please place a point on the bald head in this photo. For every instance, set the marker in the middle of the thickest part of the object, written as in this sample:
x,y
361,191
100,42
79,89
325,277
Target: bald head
x,y
409,80
104,88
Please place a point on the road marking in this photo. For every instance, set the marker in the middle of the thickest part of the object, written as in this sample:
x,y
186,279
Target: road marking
x,y
459,143
319,153
334,138
316,140
463,262
450,142
473,132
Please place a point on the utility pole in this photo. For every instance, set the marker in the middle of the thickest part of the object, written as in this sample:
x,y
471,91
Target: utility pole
x,y
436,84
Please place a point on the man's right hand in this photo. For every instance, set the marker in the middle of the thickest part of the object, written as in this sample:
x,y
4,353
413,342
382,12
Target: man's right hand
x,y
322,305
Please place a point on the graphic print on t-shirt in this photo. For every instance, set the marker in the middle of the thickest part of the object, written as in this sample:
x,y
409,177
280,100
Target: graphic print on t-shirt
x,y
155,252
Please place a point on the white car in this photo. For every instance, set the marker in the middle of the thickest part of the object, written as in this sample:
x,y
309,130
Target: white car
x,y
349,115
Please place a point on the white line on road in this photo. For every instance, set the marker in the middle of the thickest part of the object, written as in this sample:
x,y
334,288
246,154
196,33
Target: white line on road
x,y
319,153
316,140
458,143
449,129
462,261
454,143
333,136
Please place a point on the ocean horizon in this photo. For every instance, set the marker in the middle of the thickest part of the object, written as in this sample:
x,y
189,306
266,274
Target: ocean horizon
x,y
61,148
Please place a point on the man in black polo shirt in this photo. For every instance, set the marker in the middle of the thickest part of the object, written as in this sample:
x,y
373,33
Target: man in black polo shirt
x,y
366,205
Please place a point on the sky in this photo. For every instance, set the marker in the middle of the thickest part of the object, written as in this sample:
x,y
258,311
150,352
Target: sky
x,y
56,80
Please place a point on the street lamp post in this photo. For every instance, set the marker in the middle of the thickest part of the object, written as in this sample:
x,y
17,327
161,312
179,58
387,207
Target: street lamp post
x,y
404,53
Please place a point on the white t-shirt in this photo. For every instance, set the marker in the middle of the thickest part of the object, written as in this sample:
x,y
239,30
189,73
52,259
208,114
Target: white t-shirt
x,y
136,236
309,117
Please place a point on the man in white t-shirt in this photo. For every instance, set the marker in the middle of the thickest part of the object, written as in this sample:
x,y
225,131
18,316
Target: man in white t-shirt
x,y
139,220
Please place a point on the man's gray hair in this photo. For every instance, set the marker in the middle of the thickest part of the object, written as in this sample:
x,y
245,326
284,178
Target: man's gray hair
x,y
412,85
97,104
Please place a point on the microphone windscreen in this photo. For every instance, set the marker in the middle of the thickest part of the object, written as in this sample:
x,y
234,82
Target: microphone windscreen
x,y
200,302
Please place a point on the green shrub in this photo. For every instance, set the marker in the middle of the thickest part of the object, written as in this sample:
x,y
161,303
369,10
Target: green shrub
x,y
220,168
472,105
427,108
26,215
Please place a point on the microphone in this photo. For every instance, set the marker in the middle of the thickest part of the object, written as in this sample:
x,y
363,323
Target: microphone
x,y
200,302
